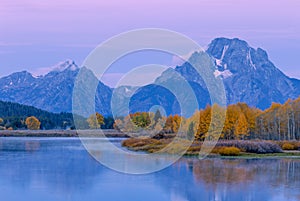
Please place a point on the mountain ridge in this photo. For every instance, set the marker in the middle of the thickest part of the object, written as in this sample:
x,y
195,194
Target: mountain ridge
x,y
51,92
247,73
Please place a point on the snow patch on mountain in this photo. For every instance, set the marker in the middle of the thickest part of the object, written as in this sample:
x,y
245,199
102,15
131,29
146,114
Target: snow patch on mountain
x,y
218,62
223,74
60,67
224,52
249,59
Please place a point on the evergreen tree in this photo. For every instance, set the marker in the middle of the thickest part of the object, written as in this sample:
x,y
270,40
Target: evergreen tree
x,y
190,131
157,116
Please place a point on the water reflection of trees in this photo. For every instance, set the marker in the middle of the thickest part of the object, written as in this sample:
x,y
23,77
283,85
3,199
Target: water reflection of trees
x,y
32,146
19,145
234,179
240,171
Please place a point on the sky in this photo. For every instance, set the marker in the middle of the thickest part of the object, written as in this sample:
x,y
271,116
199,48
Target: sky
x,y
39,33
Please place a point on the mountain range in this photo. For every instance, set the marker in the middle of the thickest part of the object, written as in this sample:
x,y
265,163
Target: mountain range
x,y
51,92
247,73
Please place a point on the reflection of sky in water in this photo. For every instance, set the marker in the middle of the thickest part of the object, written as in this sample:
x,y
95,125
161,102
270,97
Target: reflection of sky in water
x,y
60,169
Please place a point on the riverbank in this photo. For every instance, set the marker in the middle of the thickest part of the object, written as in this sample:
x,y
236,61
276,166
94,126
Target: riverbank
x,y
61,133
224,149
245,155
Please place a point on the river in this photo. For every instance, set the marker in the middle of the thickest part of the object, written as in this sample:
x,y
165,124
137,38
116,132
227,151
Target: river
x,y
60,169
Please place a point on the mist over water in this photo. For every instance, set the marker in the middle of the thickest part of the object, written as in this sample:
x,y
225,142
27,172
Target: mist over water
x,y
61,169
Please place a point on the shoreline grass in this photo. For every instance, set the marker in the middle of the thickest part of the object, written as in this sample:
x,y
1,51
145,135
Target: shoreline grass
x,y
111,133
223,149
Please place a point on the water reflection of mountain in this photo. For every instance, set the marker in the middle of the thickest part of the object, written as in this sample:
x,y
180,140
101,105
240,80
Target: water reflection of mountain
x,y
233,180
61,169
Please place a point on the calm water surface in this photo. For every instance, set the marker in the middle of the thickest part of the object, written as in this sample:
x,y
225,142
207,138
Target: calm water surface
x,y
50,169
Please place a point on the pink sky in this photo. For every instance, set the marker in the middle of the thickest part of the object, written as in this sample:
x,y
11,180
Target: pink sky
x,y
39,33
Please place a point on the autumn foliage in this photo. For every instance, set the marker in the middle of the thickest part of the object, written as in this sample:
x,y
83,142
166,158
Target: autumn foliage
x,y
279,122
234,122
32,123
229,151
95,121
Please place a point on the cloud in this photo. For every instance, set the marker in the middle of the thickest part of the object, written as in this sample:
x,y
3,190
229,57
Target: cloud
x,y
41,71
6,52
177,61
79,45
111,79
139,76
293,73
7,44
260,33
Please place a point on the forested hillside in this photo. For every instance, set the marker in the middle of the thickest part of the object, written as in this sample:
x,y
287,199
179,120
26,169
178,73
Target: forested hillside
x,y
14,116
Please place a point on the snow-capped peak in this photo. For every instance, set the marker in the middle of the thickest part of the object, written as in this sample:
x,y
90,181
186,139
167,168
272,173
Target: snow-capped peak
x,y
61,66
68,64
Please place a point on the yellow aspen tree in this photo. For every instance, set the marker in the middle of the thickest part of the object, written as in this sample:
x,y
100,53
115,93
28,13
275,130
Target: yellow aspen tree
x,y
204,123
169,124
241,127
100,118
176,123
232,115
32,123
216,125
95,121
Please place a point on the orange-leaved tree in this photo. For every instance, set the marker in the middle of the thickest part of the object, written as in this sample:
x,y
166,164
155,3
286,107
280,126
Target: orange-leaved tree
x,y
32,123
95,121
241,128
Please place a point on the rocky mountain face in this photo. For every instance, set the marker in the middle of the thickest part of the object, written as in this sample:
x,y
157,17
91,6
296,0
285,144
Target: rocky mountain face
x,y
247,73
51,92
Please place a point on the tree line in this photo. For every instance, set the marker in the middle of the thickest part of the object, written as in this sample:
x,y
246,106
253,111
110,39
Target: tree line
x,y
16,116
279,122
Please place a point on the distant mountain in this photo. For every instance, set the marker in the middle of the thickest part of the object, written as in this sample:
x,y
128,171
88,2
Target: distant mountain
x,y
152,95
51,92
248,75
